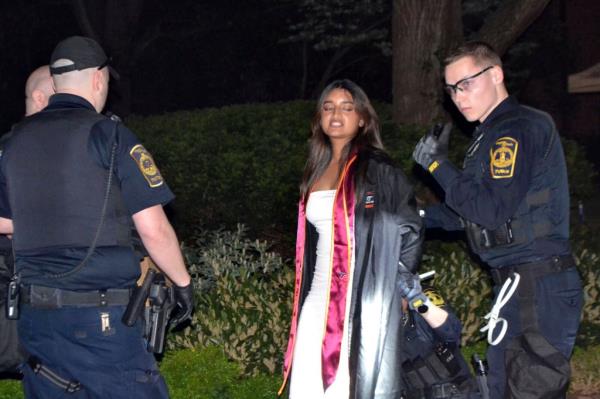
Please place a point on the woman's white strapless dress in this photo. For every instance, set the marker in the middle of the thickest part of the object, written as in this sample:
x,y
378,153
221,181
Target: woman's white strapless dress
x,y
306,380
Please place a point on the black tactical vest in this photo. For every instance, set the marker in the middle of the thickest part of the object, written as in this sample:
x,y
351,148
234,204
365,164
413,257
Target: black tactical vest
x,y
56,190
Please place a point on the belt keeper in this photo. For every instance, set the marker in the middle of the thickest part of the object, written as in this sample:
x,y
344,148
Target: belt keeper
x,y
73,387
103,301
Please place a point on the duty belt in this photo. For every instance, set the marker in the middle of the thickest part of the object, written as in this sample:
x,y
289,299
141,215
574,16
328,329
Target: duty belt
x,y
534,270
446,390
54,298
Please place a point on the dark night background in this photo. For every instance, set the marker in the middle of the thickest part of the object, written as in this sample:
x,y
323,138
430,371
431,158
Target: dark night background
x,y
187,54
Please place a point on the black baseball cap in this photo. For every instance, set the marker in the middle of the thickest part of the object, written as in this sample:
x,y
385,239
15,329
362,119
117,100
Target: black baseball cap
x,y
83,52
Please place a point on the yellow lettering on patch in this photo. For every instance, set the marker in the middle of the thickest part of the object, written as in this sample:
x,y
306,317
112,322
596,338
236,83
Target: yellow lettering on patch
x,y
434,296
144,161
503,157
434,165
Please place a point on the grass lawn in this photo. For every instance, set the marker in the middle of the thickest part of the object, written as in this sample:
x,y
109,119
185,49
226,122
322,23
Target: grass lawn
x,y
205,374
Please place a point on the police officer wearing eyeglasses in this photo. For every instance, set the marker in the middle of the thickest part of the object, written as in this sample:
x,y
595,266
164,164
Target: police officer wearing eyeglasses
x,y
71,182
511,197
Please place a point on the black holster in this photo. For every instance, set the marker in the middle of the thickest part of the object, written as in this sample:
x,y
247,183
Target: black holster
x,y
480,238
535,368
424,376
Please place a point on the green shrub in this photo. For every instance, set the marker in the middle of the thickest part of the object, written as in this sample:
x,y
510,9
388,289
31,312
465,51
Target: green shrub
x,y
243,163
230,165
464,284
245,292
243,302
207,374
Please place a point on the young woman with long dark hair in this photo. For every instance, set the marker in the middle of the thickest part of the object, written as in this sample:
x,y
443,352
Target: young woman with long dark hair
x,y
356,222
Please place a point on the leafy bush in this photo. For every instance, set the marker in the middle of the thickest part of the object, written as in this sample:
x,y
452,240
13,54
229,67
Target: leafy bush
x,y
462,283
230,165
245,292
467,288
243,303
243,163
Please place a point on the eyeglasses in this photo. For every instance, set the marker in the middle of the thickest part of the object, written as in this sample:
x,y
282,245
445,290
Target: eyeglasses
x,y
465,84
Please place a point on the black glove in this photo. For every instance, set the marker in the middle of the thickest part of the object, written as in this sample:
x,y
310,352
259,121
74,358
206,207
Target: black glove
x,y
184,296
410,288
433,146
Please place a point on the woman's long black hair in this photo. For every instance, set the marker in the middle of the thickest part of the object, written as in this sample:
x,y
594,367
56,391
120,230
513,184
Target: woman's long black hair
x,y
319,150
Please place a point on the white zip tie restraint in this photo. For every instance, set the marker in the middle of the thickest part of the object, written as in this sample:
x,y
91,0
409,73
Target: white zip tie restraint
x,y
426,275
501,300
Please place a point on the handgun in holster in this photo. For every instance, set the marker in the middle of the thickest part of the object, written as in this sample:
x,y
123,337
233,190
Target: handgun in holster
x,y
162,302
155,301
137,302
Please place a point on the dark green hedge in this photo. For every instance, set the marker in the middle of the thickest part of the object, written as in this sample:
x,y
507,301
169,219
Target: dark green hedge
x,y
243,163
230,165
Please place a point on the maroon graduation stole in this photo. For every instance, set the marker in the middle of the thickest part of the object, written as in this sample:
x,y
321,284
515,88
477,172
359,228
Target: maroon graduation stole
x,y
340,272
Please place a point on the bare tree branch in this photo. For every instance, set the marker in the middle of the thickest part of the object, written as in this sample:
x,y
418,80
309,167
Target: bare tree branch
x,y
335,58
507,23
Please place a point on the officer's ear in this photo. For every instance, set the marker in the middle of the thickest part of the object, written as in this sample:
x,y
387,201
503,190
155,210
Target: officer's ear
x,y
497,75
39,98
97,80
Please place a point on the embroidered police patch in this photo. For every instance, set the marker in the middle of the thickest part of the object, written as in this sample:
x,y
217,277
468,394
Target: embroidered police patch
x,y
503,156
144,161
434,297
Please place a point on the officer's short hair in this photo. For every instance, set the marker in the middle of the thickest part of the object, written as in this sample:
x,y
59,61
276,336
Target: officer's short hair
x,y
61,63
71,78
481,52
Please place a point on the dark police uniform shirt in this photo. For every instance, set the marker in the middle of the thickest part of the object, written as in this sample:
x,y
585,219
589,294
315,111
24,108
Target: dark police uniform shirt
x,y
515,152
109,266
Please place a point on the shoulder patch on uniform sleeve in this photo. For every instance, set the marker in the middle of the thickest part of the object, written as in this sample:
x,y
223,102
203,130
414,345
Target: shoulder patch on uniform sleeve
x,y
503,157
144,161
434,296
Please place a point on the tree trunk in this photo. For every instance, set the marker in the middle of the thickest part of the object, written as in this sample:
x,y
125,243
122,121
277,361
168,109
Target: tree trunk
x,y
507,23
422,32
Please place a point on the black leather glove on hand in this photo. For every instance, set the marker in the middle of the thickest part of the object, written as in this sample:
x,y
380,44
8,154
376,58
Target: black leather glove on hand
x,y
185,300
433,146
410,288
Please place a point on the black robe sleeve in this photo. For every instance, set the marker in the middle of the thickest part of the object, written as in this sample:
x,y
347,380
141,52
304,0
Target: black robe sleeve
x,y
407,218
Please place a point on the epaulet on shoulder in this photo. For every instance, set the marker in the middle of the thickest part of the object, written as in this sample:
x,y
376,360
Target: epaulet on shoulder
x,y
113,117
527,116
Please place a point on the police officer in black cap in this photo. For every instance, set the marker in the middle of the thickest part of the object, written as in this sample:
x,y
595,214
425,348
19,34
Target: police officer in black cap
x,y
72,180
512,199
